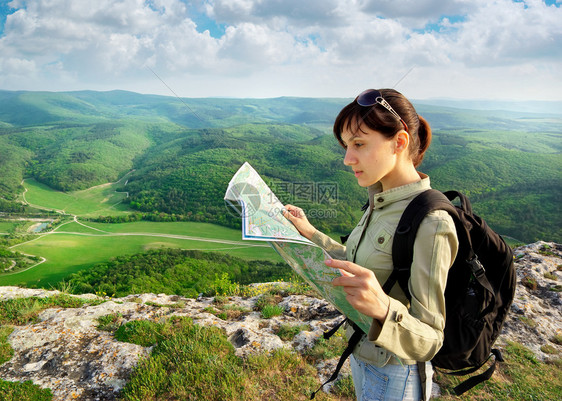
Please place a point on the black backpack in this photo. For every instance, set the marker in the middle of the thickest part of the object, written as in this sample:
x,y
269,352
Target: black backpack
x,y
479,292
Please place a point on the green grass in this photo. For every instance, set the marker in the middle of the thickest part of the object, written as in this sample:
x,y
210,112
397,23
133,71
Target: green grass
x,y
287,332
6,352
70,226
20,311
23,391
67,254
191,362
74,247
102,199
267,304
7,226
204,230
270,311
520,377
109,322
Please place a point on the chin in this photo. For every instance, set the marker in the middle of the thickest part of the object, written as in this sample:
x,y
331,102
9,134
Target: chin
x,y
364,184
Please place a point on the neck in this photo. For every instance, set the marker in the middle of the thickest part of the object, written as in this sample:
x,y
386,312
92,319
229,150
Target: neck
x,y
402,176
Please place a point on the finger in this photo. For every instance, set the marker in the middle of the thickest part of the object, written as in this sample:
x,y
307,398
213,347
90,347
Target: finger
x,y
345,265
289,211
294,211
347,282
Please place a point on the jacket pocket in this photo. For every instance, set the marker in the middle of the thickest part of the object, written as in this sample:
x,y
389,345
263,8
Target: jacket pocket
x,y
381,238
379,259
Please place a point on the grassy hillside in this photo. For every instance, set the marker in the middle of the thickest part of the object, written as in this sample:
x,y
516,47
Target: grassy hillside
x,y
514,182
102,199
183,154
190,175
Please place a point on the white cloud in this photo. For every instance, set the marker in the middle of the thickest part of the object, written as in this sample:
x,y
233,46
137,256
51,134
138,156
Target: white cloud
x,y
105,37
292,13
283,47
418,13
256,44
230,11
14,66
502,33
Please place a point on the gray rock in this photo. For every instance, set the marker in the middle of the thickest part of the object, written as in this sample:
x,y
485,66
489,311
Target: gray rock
x,y
64,350
537,312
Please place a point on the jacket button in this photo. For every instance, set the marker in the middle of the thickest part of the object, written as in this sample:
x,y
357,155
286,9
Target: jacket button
x,y
399,318
380,240
380,200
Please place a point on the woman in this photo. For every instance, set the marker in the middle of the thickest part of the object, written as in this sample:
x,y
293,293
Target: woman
x,y
385,140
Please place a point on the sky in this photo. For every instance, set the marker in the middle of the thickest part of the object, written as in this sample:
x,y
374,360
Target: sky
x,y
454,49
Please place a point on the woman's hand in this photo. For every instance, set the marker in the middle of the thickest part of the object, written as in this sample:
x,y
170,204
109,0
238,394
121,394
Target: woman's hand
x,y
296,216
363,290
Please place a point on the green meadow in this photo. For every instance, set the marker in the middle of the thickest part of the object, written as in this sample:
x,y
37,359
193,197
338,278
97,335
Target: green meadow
x,y
98,200
81,247
79,244
6,226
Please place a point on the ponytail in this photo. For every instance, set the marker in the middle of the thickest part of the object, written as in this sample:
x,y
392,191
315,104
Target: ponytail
x,y
424,139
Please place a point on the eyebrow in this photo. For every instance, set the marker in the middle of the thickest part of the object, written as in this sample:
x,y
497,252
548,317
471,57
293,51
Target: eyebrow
x,y
351,138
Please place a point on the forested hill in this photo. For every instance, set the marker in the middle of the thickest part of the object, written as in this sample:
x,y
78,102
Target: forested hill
x,y
184,152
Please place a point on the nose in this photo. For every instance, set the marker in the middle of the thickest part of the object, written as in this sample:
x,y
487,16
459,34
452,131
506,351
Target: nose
x,y
349,158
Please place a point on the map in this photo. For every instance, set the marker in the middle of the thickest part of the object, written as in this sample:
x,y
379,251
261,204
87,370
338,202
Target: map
x,y
263,220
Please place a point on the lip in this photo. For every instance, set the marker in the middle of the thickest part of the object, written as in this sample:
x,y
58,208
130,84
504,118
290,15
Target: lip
x,y
357,173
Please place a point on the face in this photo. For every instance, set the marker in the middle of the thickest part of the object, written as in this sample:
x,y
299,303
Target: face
x,y
371,156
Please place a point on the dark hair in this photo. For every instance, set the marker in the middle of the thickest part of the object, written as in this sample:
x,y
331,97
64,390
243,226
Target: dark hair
x,y
379,119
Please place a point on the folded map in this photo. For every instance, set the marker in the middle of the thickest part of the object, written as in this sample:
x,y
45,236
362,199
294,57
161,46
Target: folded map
x,y
263,220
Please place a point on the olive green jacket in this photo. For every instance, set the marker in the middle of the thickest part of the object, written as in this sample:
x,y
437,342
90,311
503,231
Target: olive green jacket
x,y
411,331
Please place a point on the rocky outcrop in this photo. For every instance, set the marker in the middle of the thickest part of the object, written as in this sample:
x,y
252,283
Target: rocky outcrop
x,y
66,352
536,313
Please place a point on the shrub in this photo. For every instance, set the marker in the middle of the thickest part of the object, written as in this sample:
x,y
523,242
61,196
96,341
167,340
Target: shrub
x,y
6,351
530,283
109,322
139,332
267,300
270,311
287,332
223,286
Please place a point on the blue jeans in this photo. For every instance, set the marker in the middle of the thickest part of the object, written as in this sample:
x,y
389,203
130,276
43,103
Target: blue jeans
x,y
387,383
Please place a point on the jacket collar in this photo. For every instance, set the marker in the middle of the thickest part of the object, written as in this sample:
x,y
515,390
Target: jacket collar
x,y
379,198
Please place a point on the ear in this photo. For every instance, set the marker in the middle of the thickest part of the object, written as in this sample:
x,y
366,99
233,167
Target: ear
x,y
402,140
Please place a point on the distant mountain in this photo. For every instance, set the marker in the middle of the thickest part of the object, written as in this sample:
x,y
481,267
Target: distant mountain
x,y
539,107
33,108
185,151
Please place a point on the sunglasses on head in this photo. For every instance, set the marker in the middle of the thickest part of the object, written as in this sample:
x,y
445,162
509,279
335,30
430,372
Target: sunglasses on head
x,y
370,97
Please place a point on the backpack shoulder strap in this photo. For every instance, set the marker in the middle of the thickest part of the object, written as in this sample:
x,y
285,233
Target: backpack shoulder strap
x,y
405,235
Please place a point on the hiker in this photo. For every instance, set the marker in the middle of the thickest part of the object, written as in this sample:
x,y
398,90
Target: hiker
x,y
385,140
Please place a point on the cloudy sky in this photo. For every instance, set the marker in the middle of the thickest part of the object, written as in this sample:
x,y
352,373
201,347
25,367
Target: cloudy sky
x,y
466,49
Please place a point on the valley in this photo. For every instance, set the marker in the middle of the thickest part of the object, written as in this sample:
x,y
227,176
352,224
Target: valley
x,y
86,177
71,244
